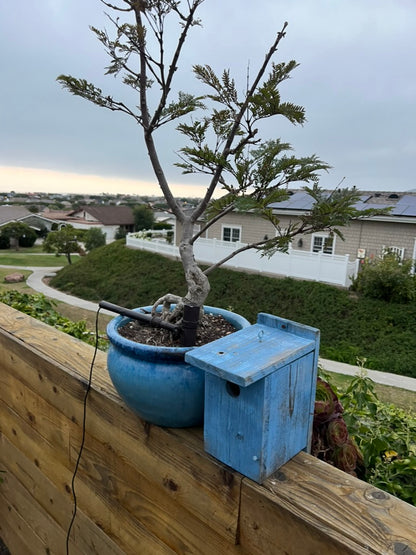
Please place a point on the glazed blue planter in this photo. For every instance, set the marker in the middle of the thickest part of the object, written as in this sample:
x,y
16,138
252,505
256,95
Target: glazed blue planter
x,y
156,382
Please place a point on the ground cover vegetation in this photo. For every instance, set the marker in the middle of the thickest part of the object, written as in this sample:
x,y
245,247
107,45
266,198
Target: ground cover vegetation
x,y
40,307
351,325
381,441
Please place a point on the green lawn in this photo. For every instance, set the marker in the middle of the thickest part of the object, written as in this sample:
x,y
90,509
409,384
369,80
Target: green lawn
x,y
21,286
28,258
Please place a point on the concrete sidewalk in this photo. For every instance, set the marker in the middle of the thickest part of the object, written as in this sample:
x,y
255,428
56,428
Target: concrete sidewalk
x,y
35,281
383,378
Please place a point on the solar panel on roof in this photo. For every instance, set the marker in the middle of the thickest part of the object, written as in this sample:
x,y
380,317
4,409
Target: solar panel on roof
x,y
408,200
409,211
298,201
406,206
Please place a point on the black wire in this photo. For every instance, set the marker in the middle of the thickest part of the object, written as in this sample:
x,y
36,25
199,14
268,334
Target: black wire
x,y
84,419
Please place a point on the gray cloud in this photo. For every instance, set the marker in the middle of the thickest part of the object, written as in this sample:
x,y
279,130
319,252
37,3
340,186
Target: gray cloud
x,y
357,81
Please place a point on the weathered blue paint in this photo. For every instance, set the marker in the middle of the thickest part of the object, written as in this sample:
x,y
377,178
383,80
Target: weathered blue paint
x,y
156,382
259,394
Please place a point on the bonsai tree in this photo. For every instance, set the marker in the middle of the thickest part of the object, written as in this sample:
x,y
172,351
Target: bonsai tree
x,y
221,131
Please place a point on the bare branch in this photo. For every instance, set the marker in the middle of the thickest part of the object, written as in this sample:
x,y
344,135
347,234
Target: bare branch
x,y
189,22
211,222
234,253
116,8
145,118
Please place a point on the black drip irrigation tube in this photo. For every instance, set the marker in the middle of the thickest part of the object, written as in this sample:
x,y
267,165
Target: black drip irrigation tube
x,y
186,330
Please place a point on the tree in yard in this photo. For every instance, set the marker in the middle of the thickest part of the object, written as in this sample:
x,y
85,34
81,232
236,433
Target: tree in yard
x,y
144,217
221,132
63,241
17,234
94,238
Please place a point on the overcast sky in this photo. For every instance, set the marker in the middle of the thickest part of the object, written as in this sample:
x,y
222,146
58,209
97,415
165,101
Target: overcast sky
x,y
356,80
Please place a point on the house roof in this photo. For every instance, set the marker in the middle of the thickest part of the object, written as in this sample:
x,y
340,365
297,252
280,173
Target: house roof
x,y
402,204
110,215
12,213
56,214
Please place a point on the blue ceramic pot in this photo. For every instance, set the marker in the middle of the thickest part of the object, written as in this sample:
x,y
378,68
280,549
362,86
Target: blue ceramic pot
x,y
156,382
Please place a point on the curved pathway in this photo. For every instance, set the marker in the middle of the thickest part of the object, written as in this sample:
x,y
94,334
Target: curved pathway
x,y
35,281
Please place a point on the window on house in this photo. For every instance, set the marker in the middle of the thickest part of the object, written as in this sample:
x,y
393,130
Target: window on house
x,y
398,251
231,234
323,243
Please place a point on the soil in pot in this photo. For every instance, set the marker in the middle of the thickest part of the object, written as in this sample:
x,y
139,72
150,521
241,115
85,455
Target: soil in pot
x,y
210,328
155,381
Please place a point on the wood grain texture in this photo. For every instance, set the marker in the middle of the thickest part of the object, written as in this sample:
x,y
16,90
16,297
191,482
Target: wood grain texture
x,y
260,385
185,501
86,536
146,489
160,461
309,507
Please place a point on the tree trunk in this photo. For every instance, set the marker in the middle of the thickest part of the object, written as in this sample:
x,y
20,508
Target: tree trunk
x,y
197,282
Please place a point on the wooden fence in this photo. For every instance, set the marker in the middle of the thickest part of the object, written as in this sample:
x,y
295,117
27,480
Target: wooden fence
x,y
142,489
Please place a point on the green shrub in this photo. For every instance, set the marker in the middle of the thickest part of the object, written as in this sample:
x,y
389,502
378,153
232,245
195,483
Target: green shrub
x,y
28,238
94,238
43,309
385,436
17,231
387,279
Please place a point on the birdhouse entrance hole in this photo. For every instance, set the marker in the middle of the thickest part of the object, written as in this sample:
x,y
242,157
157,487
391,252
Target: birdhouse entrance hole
x,y
232,389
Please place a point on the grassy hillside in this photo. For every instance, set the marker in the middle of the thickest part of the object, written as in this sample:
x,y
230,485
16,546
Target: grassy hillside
x,y
350,326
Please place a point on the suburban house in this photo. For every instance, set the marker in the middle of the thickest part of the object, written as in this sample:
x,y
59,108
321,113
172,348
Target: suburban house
x,y
107,218
10,214
364,238
318,256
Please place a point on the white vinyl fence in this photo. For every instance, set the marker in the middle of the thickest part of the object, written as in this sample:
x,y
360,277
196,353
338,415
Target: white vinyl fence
x,y
327,268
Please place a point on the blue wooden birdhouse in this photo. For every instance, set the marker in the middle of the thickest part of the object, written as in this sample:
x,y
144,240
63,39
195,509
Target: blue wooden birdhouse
x,y
260,385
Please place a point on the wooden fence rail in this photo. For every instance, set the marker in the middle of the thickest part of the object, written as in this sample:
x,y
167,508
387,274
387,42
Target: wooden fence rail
x,y
142,489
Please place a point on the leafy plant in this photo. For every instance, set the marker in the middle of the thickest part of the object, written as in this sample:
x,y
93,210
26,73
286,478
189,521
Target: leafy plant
x,y
144,217
64,241
221,130
94,238
42,308
330,439
22,234
387,278
384,434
